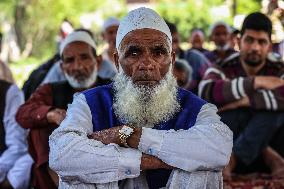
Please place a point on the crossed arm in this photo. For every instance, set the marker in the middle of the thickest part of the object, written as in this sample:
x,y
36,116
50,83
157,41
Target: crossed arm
x,y
111,135
77,158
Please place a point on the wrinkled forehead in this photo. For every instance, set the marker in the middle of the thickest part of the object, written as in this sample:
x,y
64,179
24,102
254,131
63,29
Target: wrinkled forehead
x,y
145,38
76,47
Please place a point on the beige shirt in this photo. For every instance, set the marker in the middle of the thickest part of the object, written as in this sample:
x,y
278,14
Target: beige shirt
x,y
5,73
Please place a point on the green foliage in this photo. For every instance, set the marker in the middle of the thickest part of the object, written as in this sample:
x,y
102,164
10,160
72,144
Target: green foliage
x,y
40,19
186,14
189,14
23,68
246,7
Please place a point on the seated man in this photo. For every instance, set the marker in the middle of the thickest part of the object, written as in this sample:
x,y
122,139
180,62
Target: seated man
x,y
183,73
249,89
141,129
45,109
15,162
108,69
195,59
220,34
196,39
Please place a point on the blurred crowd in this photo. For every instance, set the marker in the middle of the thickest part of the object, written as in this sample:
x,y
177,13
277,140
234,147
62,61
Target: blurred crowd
x,y
243,76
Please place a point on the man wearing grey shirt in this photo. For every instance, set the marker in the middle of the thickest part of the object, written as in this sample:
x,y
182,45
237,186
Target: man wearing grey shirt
x,y
141,131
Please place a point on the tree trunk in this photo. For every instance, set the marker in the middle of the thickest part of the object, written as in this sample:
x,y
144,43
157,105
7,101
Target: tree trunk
x,y
20,17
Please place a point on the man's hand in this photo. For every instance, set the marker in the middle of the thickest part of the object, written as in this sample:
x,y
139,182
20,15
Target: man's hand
x,y
107,136
244,102
56,116
151,162
54,177
267,82
111,135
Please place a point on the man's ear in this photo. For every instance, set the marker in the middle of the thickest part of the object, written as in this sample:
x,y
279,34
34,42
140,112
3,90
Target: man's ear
x,y
239,42
103,35
99,60
173,58
115,57
61,65
270,47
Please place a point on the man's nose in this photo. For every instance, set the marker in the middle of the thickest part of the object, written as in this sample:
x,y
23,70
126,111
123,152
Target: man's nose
x,y
146,62
78,65
255,46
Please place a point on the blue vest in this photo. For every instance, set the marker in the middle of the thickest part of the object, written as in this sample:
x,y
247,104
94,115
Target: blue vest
x,y
100,101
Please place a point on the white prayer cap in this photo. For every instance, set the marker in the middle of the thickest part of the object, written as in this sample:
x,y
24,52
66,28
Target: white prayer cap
x,y
81,36
139,19
219,23
110,22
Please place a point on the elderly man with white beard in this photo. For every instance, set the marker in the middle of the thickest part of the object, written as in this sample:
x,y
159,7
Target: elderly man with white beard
x,y
46,108
141,131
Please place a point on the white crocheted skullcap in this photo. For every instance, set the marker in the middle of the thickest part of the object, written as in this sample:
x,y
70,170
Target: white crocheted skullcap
x,y
80,36
139,19
111,21
219,23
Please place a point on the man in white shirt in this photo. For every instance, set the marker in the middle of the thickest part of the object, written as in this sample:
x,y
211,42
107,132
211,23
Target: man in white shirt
x,y
142,131
108,69
15,162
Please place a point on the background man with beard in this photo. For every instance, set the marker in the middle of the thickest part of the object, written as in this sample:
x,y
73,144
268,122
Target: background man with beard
x,y
45,109
220,33
137,131
249,89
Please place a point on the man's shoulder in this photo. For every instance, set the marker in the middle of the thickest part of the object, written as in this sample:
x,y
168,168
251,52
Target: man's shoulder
x,y
188,98
273,64
230,61
99,90
195,55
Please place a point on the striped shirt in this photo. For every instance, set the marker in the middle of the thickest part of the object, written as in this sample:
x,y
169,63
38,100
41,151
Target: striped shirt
x,y
227,82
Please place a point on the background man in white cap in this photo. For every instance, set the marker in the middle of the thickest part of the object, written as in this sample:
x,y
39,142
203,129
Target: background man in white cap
x,y
45,109
196,39
137,131
108,69
220,33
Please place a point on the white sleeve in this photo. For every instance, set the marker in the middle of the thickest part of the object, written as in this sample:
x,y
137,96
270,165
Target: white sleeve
x,y
205,146
77,159
20,174
15,136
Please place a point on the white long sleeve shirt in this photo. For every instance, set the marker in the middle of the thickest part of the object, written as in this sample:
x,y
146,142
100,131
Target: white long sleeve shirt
x,y
79,160
16,142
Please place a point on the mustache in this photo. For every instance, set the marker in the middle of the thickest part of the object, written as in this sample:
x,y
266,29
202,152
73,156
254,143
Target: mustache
x,y
253,52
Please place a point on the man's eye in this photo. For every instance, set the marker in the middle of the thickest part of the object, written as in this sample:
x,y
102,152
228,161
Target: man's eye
x,y
263,42
159,52
249,40
134,53
68,60
84,57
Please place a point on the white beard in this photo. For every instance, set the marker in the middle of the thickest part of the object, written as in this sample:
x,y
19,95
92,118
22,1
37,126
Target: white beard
x,y
88,82
144,106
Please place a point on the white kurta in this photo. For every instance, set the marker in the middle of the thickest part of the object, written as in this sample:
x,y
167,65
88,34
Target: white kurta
x,y
15,162
86,163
